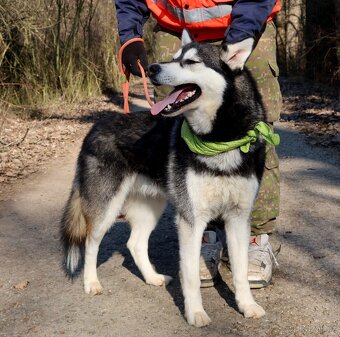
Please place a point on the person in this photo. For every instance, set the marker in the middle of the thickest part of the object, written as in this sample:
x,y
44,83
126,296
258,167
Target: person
x,y
247,33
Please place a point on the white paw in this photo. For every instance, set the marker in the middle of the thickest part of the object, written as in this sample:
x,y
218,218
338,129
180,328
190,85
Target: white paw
x,y
93,288
252,310
158,280
198,319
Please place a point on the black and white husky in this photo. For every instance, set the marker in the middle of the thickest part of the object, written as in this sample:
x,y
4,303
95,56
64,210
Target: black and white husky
x,y
132,164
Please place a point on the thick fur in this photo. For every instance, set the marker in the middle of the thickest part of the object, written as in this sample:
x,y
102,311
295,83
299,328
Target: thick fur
x,y
133,163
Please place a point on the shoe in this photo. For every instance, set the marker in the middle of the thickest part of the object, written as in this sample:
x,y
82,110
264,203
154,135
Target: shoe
x,y
260,261
210,258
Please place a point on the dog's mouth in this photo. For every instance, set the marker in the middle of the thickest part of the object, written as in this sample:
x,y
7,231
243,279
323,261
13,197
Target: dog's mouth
x,y
179,97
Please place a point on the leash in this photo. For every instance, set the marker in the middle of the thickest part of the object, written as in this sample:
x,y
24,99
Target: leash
x,y
126,76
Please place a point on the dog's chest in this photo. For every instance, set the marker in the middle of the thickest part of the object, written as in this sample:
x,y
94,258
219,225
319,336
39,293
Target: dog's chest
x,y
217,194
226,161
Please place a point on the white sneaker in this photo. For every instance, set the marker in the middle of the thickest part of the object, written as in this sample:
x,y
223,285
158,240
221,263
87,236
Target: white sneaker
x,y
260,261
211,250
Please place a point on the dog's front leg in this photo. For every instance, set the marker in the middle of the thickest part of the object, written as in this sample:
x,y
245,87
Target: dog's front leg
x,y
237,230
190,238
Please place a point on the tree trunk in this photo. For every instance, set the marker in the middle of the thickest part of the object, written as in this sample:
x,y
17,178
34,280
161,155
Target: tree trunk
x,y
291,23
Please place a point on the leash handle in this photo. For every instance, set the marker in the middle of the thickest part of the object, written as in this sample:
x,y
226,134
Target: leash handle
x,y
126,76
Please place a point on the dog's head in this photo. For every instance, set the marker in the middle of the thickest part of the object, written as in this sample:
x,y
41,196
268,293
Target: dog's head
x,y
198,76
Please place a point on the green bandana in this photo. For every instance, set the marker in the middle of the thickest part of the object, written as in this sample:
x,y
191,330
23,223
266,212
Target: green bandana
x,y
197,145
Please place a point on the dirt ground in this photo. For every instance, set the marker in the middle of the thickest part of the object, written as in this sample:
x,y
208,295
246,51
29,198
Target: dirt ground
x,y
37,300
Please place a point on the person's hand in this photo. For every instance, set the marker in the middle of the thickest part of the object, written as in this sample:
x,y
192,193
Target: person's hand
x,y
235,55
131,54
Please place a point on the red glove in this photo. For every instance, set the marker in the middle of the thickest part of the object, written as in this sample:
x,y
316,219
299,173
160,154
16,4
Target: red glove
x,y
131,54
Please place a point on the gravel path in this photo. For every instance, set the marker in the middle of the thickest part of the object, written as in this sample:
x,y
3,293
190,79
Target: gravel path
x,y
37,300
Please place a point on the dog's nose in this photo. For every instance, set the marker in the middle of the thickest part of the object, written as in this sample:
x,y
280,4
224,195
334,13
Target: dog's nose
x,y
153,69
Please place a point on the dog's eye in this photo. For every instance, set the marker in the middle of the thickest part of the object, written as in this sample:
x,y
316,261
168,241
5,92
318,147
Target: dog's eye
x,y
188,62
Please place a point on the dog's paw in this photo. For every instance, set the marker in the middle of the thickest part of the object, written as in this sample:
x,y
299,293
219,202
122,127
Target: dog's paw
x,y
252,310
93,288
158,280
198,319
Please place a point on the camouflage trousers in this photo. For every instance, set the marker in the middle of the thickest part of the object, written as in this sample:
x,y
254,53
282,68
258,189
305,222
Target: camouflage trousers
x,y
263,66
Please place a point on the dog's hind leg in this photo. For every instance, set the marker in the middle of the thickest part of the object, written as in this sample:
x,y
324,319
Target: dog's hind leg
x,y
143,214
190,239
237,230
96,233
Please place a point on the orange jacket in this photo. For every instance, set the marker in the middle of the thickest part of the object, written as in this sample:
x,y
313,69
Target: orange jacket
x,y
205,19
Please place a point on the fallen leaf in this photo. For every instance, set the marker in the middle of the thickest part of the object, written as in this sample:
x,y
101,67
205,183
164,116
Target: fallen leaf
x,y
22,285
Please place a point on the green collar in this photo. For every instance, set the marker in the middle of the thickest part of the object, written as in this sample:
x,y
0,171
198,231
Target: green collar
x,y
197,145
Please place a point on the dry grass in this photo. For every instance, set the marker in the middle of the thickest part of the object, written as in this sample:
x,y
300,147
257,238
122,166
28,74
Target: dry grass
x,y
56,50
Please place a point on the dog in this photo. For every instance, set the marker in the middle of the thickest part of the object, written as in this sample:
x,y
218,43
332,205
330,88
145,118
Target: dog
x,y
133,164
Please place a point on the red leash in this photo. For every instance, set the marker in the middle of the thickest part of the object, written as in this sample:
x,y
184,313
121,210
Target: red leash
x,y
126,77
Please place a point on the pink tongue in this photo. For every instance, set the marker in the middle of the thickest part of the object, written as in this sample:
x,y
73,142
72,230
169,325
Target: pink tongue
x,y
160,106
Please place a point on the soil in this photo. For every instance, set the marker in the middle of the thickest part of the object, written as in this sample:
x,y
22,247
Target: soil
x,y
313,109
36,299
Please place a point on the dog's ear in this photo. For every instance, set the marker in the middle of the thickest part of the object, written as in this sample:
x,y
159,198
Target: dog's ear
x,y
186,38
235,55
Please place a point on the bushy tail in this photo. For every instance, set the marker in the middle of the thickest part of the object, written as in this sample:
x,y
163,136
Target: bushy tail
x,y
73,232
